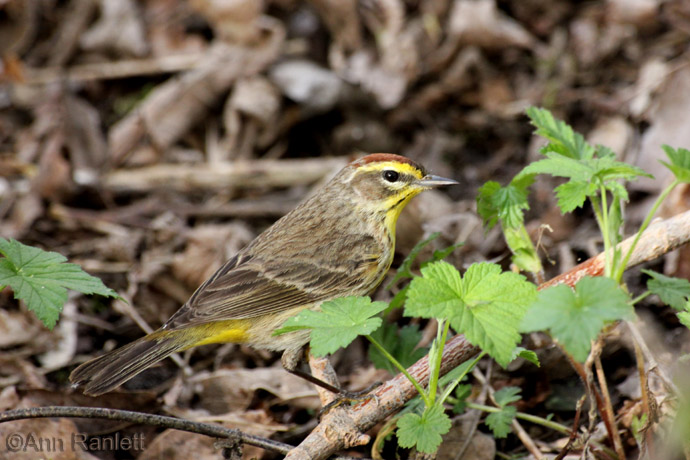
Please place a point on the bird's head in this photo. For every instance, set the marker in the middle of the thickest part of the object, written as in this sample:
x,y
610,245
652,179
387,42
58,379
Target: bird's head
x,y
385,183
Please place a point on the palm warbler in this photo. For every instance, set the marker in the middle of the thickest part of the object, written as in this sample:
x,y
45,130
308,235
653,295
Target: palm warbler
x,y
338,243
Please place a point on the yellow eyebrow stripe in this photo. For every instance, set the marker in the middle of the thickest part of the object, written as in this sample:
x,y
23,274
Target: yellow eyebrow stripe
x,y
395,165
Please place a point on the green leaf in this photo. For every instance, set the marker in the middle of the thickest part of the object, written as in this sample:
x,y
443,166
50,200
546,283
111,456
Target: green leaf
x,y
485,203
561,166
672,291
401,343
527,355
441,254
338,323
507,395
425,431
680,162
575,318
485,305
505,203
405,269
500,422
563,139
436,294
684,318
398,299
462,392
41,279
572,195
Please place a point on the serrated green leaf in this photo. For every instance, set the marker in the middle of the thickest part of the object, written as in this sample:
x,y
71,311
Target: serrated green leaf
x,y
486,207
609,168
618,190
505,203
500,422
563,139
561,166
436,294
572,194
493,306
485,305
527,355
684,318
399,342
575,318
512,203
41,279
462,392
680,162
671,291
338,323
423,432
507,395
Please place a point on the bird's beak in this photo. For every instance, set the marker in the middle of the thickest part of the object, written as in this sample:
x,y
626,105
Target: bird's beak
x,y
431,181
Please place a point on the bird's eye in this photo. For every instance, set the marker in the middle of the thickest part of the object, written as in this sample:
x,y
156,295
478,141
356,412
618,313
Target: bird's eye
x,y
391,176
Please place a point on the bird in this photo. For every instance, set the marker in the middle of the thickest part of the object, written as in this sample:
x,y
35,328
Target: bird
x,y
339,242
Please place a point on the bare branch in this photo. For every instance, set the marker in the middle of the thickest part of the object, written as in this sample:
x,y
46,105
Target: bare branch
x,y
207,429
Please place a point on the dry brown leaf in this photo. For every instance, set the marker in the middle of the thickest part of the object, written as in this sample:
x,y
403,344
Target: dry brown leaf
x,y
208,247
613,132
233,21
119,28
482,446
317,89
173,107
85,140
640,13
174,445
227,390
17,328
479,22
668,126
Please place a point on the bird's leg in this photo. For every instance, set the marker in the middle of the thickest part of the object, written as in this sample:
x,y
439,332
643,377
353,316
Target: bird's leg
x,y
292,358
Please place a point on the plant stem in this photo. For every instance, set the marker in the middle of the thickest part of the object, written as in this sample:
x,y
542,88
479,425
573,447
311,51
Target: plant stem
x,y
605,231
400,367
643,227
537,421
597,207
433,376
524,416
640,297
451,386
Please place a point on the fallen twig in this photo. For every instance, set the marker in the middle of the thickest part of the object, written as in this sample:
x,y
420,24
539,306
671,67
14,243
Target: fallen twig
x,y
238,174
208,429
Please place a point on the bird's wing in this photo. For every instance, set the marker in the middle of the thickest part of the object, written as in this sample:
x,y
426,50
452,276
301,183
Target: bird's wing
x,y
245,288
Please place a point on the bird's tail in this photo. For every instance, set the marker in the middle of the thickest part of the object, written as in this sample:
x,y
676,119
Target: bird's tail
x,y
106,372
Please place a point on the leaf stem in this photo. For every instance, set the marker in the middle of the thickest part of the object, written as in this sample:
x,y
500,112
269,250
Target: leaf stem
x,y
643,227
441,335
640,297
402,369
605,231
524,416
451,386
